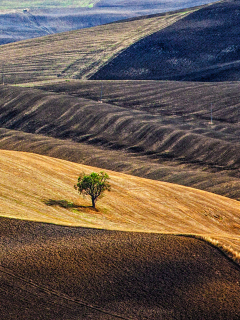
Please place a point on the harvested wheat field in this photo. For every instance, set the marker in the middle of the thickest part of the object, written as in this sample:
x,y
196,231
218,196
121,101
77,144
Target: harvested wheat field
x,y
33,187
128,264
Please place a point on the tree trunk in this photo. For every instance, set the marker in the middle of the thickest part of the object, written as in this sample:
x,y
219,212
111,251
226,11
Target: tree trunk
x,y
93,202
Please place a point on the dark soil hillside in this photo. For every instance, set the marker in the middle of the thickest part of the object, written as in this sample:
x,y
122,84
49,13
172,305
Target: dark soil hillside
x,y
226,182
54,272
179,102
83,120
204,46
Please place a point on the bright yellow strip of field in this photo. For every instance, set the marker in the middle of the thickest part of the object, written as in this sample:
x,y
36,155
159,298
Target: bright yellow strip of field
x,y
28,182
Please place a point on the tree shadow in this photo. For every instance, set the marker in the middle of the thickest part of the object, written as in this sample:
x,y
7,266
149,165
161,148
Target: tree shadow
x,y
67,204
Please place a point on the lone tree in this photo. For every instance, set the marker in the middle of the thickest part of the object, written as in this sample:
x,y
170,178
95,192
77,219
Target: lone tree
x,y
93,184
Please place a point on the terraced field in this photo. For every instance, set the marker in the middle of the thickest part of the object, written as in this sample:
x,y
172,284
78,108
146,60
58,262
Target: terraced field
x,y
76,54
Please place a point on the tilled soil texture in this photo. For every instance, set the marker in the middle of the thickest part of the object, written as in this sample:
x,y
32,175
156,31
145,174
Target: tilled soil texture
x,y
158,130
203,46
53,272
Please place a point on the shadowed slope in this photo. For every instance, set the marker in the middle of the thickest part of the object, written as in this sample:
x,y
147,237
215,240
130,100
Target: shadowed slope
x,y
204,46
53,272
81,120
77,54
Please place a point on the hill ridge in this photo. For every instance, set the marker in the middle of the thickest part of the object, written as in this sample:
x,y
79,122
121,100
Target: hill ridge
x,y
84,50
184,51
85,120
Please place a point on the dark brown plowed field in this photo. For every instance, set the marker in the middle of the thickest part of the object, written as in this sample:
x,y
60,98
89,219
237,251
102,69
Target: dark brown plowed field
x,y
186,103
54,272
204,46
176,144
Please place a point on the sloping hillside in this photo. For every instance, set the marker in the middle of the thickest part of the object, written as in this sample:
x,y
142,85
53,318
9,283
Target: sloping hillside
x,y
33,19
62,116
14,4
161,140
204,46
54,271
225,182
76,54
200,43
181,103
33,186
30,181
17,25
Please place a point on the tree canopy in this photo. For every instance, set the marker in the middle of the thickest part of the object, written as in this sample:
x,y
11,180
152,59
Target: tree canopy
x,y
93,184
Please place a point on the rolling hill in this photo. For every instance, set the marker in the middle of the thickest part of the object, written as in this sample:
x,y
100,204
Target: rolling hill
x,y
51,270
203,46
30,19
152,249
172,145
18,25
199,44
30,181
14,4
77,54
55,272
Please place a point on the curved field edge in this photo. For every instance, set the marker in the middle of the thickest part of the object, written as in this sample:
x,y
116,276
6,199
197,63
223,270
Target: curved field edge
x,y
77,54
34,187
